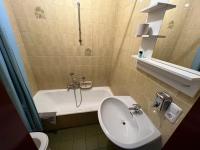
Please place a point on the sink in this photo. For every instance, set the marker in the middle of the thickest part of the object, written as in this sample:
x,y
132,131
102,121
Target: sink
x,y
126,130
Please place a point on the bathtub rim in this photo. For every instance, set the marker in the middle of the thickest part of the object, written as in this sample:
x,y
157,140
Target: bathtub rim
x,y
58,90
80,110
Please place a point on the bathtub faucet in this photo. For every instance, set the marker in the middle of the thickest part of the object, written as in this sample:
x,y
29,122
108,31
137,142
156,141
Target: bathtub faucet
x,y
74,85
69,87
75,82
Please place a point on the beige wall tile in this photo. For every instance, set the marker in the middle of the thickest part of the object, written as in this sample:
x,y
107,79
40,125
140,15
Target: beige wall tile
x,y
19,39
52,42
183,36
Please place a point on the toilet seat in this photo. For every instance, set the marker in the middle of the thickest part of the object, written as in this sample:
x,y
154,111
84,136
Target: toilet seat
x,y
42,138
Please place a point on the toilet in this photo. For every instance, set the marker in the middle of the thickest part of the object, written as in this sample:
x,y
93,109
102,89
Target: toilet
x,y
40,139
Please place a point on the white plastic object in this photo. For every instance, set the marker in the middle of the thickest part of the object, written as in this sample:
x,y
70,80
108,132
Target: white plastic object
x,y
128,131
40,139
158,6
143,29
173,112
183,79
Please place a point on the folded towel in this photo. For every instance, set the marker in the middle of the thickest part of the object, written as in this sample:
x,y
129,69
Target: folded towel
x,y
50,116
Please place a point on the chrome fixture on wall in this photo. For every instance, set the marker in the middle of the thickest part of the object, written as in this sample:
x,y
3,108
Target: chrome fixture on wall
x,y
78,82
74,85
88,52
162,101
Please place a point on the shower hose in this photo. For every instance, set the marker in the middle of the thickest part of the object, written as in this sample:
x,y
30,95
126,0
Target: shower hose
x,y
78,105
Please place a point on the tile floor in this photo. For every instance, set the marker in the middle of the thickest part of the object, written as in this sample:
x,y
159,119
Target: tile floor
x,y
80,138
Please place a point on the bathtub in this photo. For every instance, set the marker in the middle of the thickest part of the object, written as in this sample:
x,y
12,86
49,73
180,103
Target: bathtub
x,y
62,101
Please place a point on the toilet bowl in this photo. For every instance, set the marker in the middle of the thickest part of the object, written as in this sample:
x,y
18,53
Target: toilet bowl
x,y
40,139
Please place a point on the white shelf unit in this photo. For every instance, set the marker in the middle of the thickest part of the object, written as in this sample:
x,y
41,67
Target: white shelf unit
x,y
159,6
156,12
151,36
183,79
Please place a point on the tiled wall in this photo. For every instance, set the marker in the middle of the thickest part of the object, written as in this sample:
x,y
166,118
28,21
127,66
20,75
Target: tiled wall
x,y
189,36
49,30
185,29
171,27
126,79
21,46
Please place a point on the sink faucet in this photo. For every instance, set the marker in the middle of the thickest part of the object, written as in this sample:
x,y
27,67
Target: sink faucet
x,y
135,109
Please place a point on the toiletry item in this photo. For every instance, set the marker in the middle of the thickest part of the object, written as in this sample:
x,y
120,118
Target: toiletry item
x,y
86,84
140,54
143,29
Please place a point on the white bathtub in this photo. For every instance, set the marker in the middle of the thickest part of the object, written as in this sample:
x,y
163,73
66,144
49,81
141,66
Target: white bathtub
x,y
62,101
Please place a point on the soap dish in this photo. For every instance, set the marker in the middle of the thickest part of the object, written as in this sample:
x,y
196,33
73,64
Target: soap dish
x,y
86,84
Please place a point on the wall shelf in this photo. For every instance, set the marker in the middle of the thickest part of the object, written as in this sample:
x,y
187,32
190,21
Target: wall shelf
x,y
159,6
181,78
151,36
156,14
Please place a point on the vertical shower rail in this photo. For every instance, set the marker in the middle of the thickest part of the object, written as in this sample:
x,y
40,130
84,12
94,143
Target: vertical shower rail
x,y
79,23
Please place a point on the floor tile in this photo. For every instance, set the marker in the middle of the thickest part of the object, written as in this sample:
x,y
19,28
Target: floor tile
x,y
79,144
80,138
92,142
102,141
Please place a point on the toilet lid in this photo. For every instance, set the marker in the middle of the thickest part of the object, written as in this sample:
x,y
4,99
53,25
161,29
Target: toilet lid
x,y
40,139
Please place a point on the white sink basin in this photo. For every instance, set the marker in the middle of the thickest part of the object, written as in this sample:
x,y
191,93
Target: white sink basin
x,y
125,130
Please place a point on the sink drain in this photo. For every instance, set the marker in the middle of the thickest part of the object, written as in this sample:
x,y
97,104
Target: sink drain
x,y
124,123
